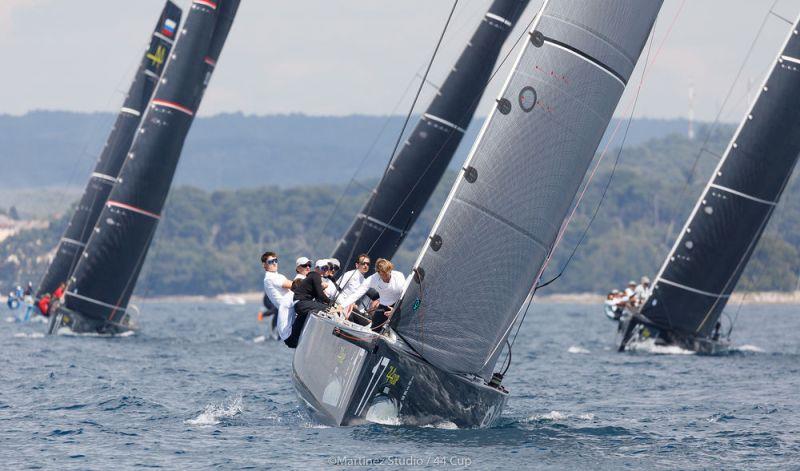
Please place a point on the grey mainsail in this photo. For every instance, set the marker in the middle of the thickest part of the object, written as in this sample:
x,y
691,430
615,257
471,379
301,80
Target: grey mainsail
x,y
105,173
708,257
103,281
499,225
395,203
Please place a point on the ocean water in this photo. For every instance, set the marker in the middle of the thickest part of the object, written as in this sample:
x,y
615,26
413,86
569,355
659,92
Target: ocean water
x,y
198,387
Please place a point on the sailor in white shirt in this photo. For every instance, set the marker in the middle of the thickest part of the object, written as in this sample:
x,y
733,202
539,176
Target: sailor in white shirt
x,y
276,286
388,284
302,267
643,291
353,279
630,290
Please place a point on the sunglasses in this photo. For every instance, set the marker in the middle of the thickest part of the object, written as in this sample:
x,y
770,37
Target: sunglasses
x,y
307,265
325,268
272,261
364,264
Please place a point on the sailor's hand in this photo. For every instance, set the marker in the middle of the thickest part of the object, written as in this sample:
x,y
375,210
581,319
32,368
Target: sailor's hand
x,y
374,304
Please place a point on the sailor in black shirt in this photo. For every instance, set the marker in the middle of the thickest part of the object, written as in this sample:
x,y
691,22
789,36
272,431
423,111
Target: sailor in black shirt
x,y
310,296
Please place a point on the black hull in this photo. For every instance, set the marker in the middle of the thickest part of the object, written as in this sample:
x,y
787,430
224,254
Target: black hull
x,y
79,323
345,376
634,331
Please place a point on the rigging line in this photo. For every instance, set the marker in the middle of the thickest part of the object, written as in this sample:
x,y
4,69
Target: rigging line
x,y
449,136
647,65
728,95
386,123
402,131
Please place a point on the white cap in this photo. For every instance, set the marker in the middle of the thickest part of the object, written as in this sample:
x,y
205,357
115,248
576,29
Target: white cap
x,y
645,280
334,262
302,261
631,283
323,262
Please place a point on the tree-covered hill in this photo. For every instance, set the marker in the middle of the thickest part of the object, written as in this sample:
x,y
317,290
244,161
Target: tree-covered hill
x,y
209,241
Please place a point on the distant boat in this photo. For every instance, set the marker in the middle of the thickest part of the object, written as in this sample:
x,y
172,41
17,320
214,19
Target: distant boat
x,y
101,284
70,246
491,241
413,174
708,258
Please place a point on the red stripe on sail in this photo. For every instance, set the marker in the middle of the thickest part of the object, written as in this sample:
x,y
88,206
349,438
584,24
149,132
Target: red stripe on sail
x,y
174,106
117,204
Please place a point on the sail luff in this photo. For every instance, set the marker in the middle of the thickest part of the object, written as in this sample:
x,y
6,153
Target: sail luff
x,y
499,224
103,177
695,280
414,172
104,279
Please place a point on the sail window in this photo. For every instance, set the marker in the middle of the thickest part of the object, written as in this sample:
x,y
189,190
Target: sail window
x,y
708,210
689,244
527,99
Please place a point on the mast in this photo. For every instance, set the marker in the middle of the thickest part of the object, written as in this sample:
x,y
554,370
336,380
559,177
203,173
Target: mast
x,y
70,246
395,203
491,240
716,242
101,284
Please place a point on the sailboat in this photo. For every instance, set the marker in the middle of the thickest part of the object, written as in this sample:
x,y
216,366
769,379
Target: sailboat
x,y
70,246
707,259
395,203
491,241
101,284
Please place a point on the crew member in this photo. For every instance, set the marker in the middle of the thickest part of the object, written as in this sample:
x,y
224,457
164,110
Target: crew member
x,y
388,284
302,267
276,286
309,296
352,280
642,291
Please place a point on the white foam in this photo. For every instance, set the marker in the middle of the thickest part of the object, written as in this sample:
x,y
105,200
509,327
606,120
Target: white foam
x,y
11,320
649,346
33,335
577,349
750,348
259,339
214,413
557,416
66,331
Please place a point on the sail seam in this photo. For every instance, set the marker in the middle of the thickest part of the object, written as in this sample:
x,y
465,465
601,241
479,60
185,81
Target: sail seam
x,y
103,176
130,111
503,220
498,18
790,59
693,290
743,195
381,223
174,106
444,121
117,204
73,241
93,301
599,64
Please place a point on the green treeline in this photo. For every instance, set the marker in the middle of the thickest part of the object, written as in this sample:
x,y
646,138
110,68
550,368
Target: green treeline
x,y
210,242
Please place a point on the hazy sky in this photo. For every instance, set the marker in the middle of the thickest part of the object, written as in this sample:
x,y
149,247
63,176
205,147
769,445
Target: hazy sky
x,y
338,57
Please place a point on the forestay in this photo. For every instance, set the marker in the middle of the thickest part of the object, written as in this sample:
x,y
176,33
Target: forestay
x,y
105,173
383,222
104,279
501,220
712,250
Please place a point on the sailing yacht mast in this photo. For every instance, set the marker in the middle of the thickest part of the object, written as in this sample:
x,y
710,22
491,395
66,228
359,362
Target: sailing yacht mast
x,y
70,246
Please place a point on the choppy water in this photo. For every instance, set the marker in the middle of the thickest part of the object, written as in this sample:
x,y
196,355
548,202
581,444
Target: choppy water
x,y
196,388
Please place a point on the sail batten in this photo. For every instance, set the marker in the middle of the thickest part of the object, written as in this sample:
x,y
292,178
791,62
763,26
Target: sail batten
x,y
414,172
729,218
500,222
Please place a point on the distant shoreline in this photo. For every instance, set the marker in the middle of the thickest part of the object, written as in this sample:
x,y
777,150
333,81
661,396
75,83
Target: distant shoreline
x,y
254,297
